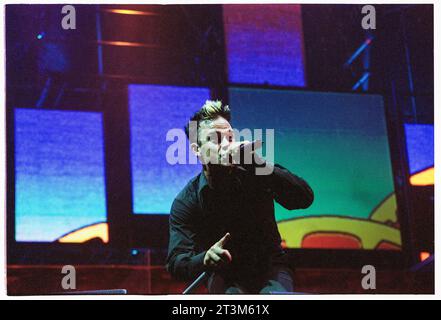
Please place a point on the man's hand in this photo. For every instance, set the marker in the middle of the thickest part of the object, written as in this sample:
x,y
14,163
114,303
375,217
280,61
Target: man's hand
x,y
239,153
229,156
217,256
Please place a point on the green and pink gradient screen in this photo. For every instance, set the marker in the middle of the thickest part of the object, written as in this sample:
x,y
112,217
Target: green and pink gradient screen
x,y
338,143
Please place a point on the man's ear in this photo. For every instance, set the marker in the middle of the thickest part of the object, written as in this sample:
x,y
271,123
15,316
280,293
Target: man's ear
x,y
195,149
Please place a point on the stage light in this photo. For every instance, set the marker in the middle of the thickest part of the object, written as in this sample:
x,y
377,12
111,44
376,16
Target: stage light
x,y
40,35
127,44
135,252
424,256
131,12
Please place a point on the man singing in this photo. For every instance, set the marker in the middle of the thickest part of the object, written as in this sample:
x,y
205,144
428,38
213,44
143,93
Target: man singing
x,y
223,220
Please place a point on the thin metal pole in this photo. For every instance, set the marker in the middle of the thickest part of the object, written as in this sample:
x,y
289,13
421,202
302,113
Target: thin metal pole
x,y
99,38
409,70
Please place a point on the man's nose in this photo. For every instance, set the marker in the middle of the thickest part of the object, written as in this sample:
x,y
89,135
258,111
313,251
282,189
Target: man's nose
x,y
225,143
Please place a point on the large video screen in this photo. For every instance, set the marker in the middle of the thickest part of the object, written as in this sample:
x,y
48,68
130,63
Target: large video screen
x,y
420,153
338,143
59,176
264,44
154,111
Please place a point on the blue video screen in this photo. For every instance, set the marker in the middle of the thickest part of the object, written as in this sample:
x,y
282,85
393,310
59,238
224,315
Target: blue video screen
x,y
59,173
154,110
264,44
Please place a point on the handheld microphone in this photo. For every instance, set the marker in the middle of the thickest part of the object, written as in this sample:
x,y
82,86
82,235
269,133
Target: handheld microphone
x,y
249,149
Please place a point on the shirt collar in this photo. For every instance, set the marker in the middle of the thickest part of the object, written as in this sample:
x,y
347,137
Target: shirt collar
x,y
203,182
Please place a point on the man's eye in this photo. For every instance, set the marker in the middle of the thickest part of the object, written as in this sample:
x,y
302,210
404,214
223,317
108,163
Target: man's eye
x,y
213,138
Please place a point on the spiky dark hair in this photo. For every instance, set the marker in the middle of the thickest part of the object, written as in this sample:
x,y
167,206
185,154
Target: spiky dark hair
x,y
209,111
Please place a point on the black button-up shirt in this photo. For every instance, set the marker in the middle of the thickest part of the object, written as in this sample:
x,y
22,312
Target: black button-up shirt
x,y
200,216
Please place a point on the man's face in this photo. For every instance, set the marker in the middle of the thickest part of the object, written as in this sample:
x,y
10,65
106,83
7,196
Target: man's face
x,y
216,138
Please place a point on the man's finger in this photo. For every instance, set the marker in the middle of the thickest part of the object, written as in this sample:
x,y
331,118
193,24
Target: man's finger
x,y
214,257
251,147
224,254
227,255
222,242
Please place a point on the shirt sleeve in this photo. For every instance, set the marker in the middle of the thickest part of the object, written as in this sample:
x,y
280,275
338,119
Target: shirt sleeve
x,y
184,262
288,189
